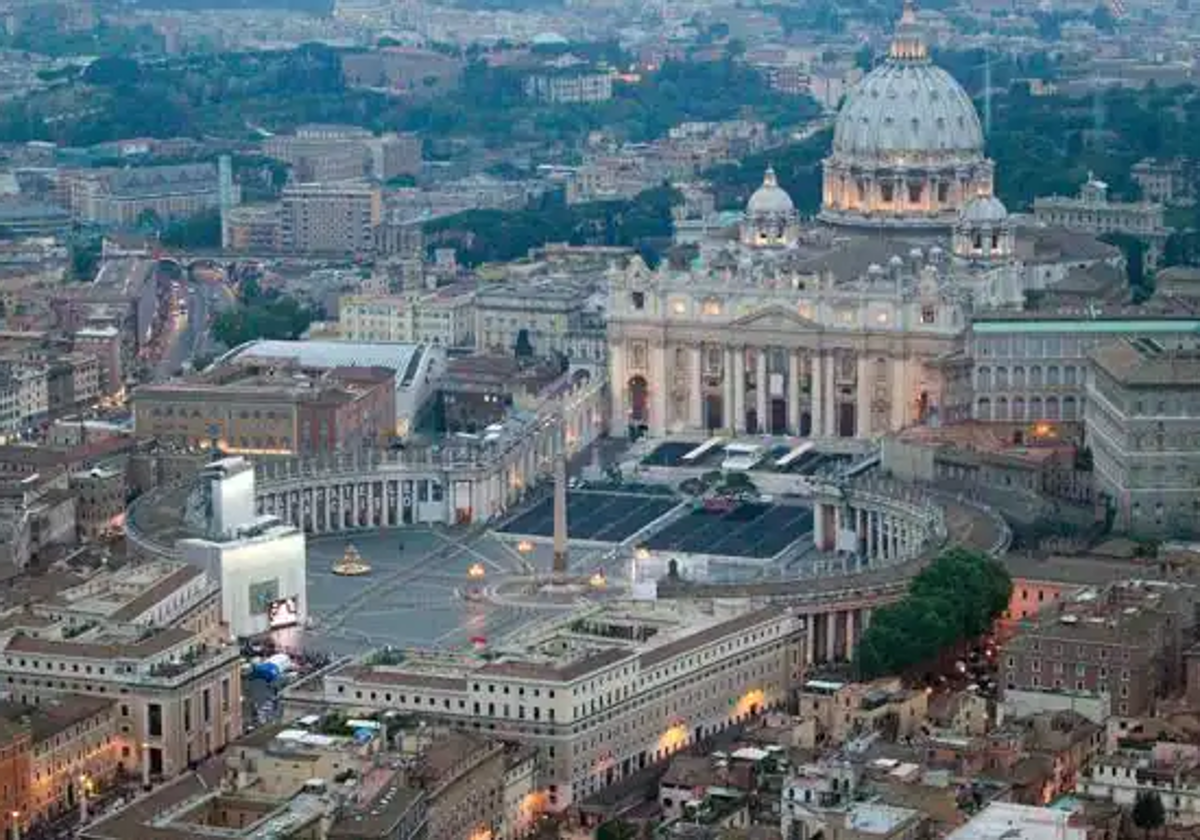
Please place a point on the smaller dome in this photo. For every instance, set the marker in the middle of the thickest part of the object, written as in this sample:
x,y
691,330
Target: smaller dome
x,y
770,197
983,209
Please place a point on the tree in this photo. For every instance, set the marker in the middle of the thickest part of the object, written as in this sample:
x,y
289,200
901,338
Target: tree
x,y
1148,811
956,597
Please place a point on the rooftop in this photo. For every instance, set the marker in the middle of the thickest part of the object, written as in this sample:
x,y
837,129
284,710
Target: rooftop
x,y
57,715
1121,613
1143,362
332,354
569,648
1007,821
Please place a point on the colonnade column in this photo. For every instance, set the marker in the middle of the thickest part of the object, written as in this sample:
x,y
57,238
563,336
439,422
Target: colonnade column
x,y
760,392
793,392
697,395
816,394
739,390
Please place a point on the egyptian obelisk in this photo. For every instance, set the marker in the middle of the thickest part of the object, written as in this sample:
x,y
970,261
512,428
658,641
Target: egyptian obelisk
x,y
560,517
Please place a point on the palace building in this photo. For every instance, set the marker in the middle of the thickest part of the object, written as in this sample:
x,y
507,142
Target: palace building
x,y
858,323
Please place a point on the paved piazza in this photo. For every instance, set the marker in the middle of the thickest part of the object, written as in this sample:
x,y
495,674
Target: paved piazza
x,y
420,594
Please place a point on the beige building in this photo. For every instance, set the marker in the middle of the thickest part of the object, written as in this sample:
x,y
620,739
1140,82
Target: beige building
x,y
1143,397
602,694
178,695
254,229
842,709
119,197
554,313
99,500
444,317
1093,212
338,218
1165,182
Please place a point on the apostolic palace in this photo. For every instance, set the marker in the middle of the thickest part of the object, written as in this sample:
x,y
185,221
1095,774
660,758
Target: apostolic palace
x,y
856,323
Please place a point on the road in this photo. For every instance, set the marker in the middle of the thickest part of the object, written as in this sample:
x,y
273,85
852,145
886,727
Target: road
x,y
188,335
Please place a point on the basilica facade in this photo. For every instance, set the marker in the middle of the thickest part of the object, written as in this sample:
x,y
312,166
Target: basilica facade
x,y
849,327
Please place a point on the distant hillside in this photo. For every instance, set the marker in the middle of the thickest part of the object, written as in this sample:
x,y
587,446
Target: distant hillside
x,y
316,7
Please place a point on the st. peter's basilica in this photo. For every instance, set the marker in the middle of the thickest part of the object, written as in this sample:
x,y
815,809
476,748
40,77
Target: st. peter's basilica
x,y
852,325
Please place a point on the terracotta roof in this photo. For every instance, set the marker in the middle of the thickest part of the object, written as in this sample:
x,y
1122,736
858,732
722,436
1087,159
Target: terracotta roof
x,y
151,645
376,676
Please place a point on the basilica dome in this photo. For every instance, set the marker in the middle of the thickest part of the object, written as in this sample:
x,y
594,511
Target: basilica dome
x,y
908,149
907,108
770,197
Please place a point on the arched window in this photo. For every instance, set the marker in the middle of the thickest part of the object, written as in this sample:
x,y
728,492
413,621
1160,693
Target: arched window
x,y
983,409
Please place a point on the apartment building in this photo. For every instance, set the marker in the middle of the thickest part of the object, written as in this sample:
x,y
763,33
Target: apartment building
x,y
324,153
1169,770
16,759
178,696
444,317
119,197
336,218
1125,640
1143,404
841,709
254,229
601,694
321,153
74,752
100,501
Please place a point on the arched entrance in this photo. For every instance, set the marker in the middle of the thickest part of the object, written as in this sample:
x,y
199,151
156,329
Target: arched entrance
x,y
805,424
778,416
639,405
714,412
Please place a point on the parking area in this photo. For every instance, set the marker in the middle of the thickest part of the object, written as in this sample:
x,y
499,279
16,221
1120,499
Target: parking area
x,y
749,530
599,516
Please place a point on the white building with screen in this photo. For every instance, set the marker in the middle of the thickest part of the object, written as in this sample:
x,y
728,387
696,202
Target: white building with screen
x,y
259,561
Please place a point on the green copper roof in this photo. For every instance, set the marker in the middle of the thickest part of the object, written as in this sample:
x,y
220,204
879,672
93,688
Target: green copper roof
x,y
1090,327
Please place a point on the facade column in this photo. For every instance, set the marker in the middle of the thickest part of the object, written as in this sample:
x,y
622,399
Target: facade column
x,y
616,386
831,415
658,390
830,636
900,417
819,526
697,395
816,396
793,393
727,413
810,642
849,635
760,392
862,412
739,390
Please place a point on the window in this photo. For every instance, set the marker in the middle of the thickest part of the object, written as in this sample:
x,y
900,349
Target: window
x,y
928,314
639,300
154,720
